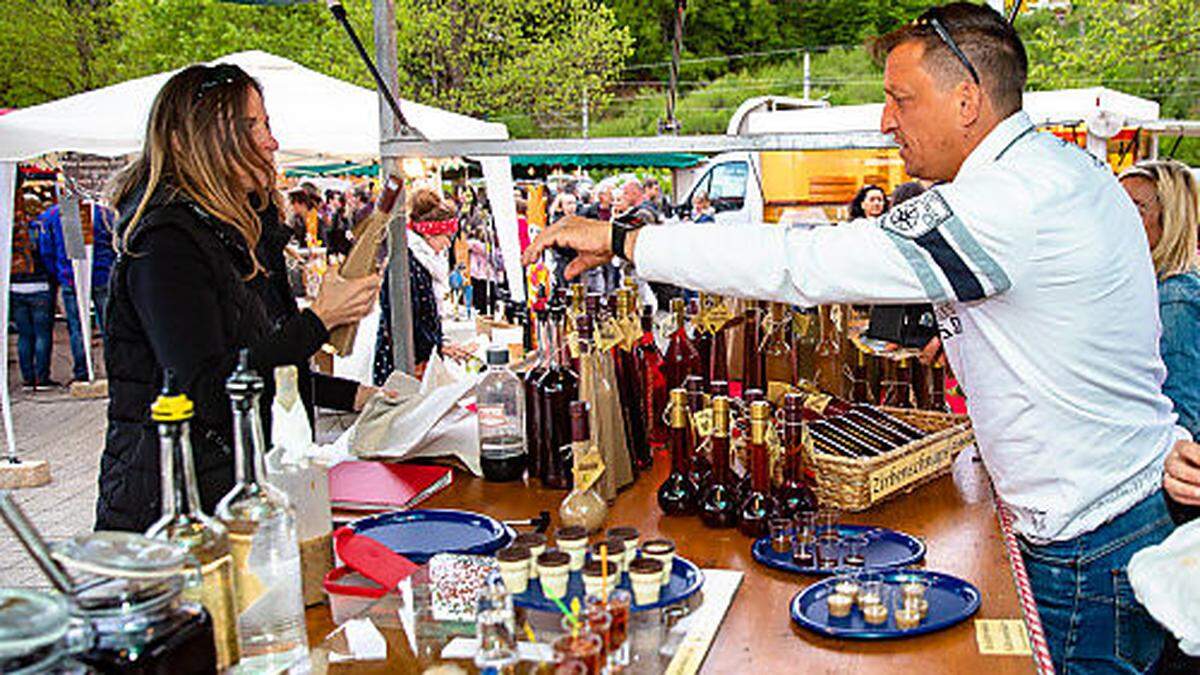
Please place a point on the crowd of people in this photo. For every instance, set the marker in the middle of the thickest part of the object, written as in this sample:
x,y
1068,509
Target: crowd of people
x,y
42,278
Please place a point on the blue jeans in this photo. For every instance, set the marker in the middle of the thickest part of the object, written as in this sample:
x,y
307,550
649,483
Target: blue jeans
x,y
78,357
1093,622
32,314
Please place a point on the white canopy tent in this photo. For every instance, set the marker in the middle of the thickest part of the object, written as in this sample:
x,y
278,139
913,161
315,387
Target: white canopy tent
x,y
313,116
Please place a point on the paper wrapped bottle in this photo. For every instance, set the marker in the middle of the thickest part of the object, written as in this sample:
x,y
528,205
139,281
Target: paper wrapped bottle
x,y
362,259
597,386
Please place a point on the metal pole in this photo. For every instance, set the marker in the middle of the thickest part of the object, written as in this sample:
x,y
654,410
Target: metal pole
x,y
34,545
585,113
398,274
671,124
807,81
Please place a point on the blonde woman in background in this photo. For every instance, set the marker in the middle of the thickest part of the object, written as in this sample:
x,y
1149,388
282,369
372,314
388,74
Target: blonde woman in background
x,y
1166,195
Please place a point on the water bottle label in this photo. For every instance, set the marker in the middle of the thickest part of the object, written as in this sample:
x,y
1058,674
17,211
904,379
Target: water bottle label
x,y
491,416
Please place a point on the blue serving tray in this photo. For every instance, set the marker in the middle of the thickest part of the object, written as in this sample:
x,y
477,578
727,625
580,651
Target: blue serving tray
x,y
420,534
686,579
951,601
885,549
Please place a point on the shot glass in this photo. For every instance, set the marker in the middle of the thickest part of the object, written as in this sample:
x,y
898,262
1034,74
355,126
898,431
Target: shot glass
x,y
907,609
582,646
781,534
619,603
855,548
829,551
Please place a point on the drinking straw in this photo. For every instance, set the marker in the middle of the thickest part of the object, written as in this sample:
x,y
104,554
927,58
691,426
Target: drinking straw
x,y
604,570
529,632
566,612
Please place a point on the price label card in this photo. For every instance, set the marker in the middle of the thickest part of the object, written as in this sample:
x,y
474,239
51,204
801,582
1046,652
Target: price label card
x,y
1002,637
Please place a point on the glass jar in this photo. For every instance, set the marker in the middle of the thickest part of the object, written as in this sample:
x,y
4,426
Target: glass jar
x,y
129,596
37,634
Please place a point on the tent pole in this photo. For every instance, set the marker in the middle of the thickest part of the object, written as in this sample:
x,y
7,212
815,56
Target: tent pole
x,y
390,121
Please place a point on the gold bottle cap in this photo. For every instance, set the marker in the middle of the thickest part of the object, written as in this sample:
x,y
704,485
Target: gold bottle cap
x,y
862,358
903,363
760,410
679,408
720,408
777,310
677,305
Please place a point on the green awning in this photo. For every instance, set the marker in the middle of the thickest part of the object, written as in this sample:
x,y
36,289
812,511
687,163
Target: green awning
x,y
336,169
670,160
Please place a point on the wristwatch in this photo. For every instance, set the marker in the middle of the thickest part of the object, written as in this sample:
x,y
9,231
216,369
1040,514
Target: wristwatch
x,y
617,239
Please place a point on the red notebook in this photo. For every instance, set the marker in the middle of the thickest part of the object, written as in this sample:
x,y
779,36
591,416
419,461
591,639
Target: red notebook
x,y
384,486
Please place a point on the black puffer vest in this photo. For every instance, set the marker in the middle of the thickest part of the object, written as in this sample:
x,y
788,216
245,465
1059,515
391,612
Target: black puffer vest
x,y
130,483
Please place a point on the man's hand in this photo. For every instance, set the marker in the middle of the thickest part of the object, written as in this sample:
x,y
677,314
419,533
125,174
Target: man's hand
x,y
590,239
1182,477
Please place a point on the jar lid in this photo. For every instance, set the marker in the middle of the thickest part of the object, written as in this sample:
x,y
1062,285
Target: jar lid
x,y
30,620
122,554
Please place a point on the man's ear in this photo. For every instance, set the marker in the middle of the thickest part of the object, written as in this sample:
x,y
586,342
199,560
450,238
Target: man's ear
x,y
969,97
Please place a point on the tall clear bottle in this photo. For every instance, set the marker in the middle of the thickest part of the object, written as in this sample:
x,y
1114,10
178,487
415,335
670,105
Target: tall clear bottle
x,y
263,541
584,506
827,358
500,406
183,523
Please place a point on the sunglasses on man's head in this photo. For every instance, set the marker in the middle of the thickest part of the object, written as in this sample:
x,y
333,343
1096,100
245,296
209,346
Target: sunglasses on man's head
x,y
932,19
216,76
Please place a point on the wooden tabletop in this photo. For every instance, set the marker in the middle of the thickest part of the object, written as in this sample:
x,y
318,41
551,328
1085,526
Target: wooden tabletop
x,y
954,515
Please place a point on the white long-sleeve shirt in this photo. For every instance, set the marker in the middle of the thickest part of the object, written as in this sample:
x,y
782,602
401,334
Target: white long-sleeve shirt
x,y
1042,282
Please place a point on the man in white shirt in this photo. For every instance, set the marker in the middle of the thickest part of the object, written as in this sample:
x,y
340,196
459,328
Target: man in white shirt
x,y
1037,265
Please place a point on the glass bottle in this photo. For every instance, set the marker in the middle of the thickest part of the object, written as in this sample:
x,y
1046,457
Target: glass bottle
x,y
859,385
749,398
827,357
583,506
597,386
718,317
752,366
533,438
804,341
678,494
702,337
682,359
759,506
183,523
653,382
778,362
500,404
795,493
263,541
937,387
628,380
718,506
556,389
699,466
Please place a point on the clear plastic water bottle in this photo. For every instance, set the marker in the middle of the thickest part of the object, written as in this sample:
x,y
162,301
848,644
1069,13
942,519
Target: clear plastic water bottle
x,y
263,541
500,399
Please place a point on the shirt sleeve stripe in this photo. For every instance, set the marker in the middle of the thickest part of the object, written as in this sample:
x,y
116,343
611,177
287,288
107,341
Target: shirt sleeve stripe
x,y
929,281
966,286
985,263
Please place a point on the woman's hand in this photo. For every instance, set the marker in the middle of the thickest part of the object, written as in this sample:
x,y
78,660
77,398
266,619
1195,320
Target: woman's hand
x,y
342,301
1182,477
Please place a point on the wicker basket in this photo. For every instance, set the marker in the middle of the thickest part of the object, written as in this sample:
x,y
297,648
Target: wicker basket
x,y
858,484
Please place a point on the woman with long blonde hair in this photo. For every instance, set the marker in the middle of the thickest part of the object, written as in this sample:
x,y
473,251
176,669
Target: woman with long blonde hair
x,y
195,281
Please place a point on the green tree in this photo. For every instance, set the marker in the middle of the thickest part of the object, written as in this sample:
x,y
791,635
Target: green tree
x,y
52,48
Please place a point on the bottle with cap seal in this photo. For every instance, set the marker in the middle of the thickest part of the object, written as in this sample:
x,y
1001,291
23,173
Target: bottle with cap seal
x,y
678,494
500,404
759,506
718,504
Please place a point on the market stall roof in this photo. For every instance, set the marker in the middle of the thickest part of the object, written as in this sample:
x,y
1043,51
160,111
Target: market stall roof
x,y
312,115
668,160
334,169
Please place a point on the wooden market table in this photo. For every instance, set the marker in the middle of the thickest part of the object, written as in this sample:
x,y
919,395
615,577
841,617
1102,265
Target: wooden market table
x,y
955,516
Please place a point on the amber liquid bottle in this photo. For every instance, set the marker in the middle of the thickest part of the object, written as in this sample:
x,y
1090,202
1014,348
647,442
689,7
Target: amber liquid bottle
x,y
749,398
937,387
752,362
759,506
533,424
678,495
555,391
702,340
795,493
652,381
682,359
859,387
827,357
804,341
629,383
718,503
779,365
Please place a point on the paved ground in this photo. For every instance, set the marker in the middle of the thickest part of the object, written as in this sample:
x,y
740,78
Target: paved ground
x,y
69,434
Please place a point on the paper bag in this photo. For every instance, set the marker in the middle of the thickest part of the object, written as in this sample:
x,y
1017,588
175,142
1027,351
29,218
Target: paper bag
x,y
1166,580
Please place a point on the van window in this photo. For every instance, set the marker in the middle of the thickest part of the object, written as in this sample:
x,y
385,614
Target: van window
x,y
727,188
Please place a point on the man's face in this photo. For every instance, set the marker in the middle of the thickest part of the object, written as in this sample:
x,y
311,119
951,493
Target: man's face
x,y
923,118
